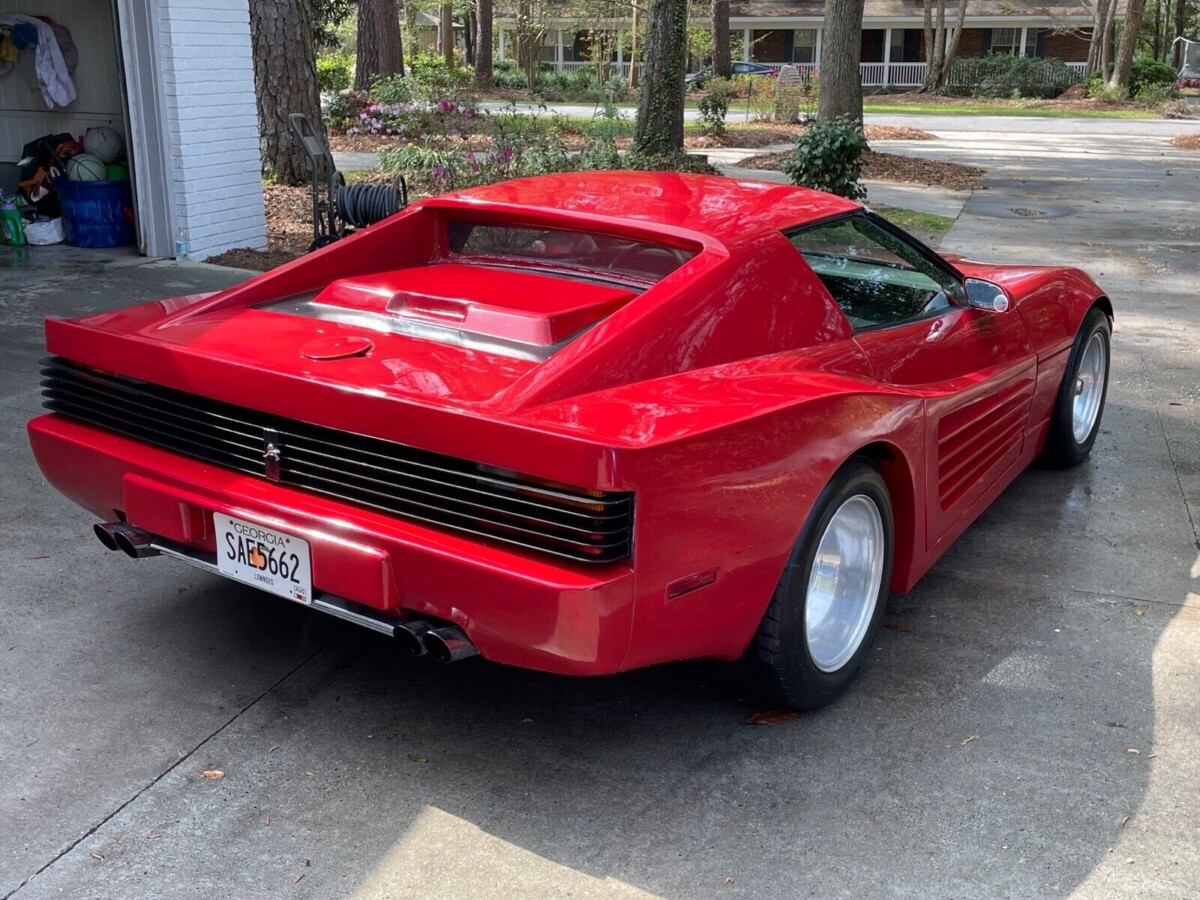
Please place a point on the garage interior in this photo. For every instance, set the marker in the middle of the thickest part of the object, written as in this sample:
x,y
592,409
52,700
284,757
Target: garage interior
x,y
98,84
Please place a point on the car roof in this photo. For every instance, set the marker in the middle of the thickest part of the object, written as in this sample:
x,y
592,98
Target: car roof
x,y
730,210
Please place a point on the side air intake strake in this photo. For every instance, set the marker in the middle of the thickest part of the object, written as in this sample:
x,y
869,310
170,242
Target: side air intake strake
x,y
576,523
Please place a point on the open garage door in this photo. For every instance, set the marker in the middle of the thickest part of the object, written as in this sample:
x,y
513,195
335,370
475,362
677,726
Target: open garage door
x,y
107,49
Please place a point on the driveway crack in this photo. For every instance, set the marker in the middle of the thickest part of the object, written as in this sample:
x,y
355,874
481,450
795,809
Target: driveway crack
x,y
171,768
1171,456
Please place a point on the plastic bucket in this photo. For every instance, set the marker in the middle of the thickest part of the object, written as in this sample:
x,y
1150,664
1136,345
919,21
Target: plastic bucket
x,y
94,212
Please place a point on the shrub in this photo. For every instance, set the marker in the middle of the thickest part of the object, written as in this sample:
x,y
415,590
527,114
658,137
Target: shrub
x,y
1105,94
714,105
393,89
344,109
1148,72
828,157
507,74
434,79
1155,93
333,72
1001,76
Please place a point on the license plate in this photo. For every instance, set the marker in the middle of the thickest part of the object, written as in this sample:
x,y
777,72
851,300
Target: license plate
x,y
264,558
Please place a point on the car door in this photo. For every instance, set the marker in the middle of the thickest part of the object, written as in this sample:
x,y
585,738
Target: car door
x,y
974,367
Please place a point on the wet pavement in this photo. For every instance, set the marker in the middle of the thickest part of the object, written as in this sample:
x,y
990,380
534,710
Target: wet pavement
x,y
1024,727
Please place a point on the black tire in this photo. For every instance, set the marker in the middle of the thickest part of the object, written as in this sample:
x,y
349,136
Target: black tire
x,y
780,654
1063,449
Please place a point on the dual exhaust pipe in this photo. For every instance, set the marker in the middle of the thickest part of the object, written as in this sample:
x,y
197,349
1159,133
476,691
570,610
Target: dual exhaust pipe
x,y
134,542
446,644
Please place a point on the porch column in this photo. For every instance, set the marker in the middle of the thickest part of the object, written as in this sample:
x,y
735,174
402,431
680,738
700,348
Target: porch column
x,y
817,48
1024,36
621,53
558,53
887,57
502,42
745,45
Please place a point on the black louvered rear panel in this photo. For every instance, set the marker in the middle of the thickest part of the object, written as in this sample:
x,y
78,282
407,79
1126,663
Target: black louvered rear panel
x,y
583,525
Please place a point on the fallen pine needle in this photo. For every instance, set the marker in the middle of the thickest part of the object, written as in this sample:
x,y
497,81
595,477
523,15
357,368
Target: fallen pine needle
x,y
969,738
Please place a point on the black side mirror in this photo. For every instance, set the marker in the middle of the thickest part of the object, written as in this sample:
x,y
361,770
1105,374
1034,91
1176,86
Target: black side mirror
x,y
985,295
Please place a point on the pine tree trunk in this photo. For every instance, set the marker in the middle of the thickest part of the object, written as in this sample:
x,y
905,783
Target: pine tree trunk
x,y
841,50
660,114
285,82
1123,66
446,33
1180,26
378,43
469,29
633,49
483,44
721,63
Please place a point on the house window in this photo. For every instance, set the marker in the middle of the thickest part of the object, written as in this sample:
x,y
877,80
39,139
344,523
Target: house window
x,y
804,45
1006,40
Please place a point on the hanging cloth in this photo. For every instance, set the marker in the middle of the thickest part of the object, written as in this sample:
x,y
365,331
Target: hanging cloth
x,y
53,77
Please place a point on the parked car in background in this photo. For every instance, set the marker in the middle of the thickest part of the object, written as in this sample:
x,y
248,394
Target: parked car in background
x,y
585,423
696,79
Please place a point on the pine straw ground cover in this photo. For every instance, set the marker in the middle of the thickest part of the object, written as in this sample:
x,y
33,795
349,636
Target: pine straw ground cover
x,y
1187,142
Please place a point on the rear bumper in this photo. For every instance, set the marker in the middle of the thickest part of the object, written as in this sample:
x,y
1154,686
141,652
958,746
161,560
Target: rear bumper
x,y
517,609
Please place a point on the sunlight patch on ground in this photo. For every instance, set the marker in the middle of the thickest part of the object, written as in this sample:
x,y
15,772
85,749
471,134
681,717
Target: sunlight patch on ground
x,y
442,855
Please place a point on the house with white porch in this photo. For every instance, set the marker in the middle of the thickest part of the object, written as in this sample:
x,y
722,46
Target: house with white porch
x,y
892,52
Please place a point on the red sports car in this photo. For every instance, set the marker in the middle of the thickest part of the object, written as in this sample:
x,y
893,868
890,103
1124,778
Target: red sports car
x,y
585,423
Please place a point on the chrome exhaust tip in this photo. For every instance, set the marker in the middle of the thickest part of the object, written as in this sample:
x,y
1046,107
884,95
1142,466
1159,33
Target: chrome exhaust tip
x,y
134,542
107,533
449,644
409,636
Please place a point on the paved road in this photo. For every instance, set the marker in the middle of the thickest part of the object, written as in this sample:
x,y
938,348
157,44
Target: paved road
x,y
1025,727
1005,124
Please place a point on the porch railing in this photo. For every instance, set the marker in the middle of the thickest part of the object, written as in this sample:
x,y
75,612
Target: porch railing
x,y
880,74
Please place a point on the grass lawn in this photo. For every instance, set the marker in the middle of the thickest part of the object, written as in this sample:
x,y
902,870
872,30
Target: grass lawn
x,y
983,109
927,227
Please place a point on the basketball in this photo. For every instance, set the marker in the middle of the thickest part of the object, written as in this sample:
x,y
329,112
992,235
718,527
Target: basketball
x,y
85,167
104,143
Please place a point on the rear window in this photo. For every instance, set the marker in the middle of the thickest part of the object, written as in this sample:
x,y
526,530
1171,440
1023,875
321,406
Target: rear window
x,y
590,254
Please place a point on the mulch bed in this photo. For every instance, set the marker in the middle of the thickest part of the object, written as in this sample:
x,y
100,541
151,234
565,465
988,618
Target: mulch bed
x,y
890,167
755,136
1187,142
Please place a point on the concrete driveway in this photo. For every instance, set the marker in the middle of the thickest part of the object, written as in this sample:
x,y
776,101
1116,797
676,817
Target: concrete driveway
x,y
1025,727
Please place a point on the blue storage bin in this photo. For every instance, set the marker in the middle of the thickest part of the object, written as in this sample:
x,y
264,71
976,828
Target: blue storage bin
x,y
94,212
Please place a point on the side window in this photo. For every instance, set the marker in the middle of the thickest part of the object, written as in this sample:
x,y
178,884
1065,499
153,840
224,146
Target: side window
x,y
875,277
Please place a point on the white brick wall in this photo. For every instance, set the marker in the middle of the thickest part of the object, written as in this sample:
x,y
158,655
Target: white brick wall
x,y
212,124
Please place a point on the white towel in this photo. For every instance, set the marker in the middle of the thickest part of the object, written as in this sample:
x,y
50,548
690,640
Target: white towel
x,y
53,77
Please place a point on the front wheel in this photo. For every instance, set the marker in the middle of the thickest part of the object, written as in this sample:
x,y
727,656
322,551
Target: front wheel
x,y
826,610
1075,421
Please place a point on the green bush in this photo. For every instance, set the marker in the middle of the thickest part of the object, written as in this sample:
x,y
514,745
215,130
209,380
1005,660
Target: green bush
x,y
393,89
714,105
828,157
333,72
1155,93
1147,72
1001,76
1105,94
507,74
433,79
344,109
